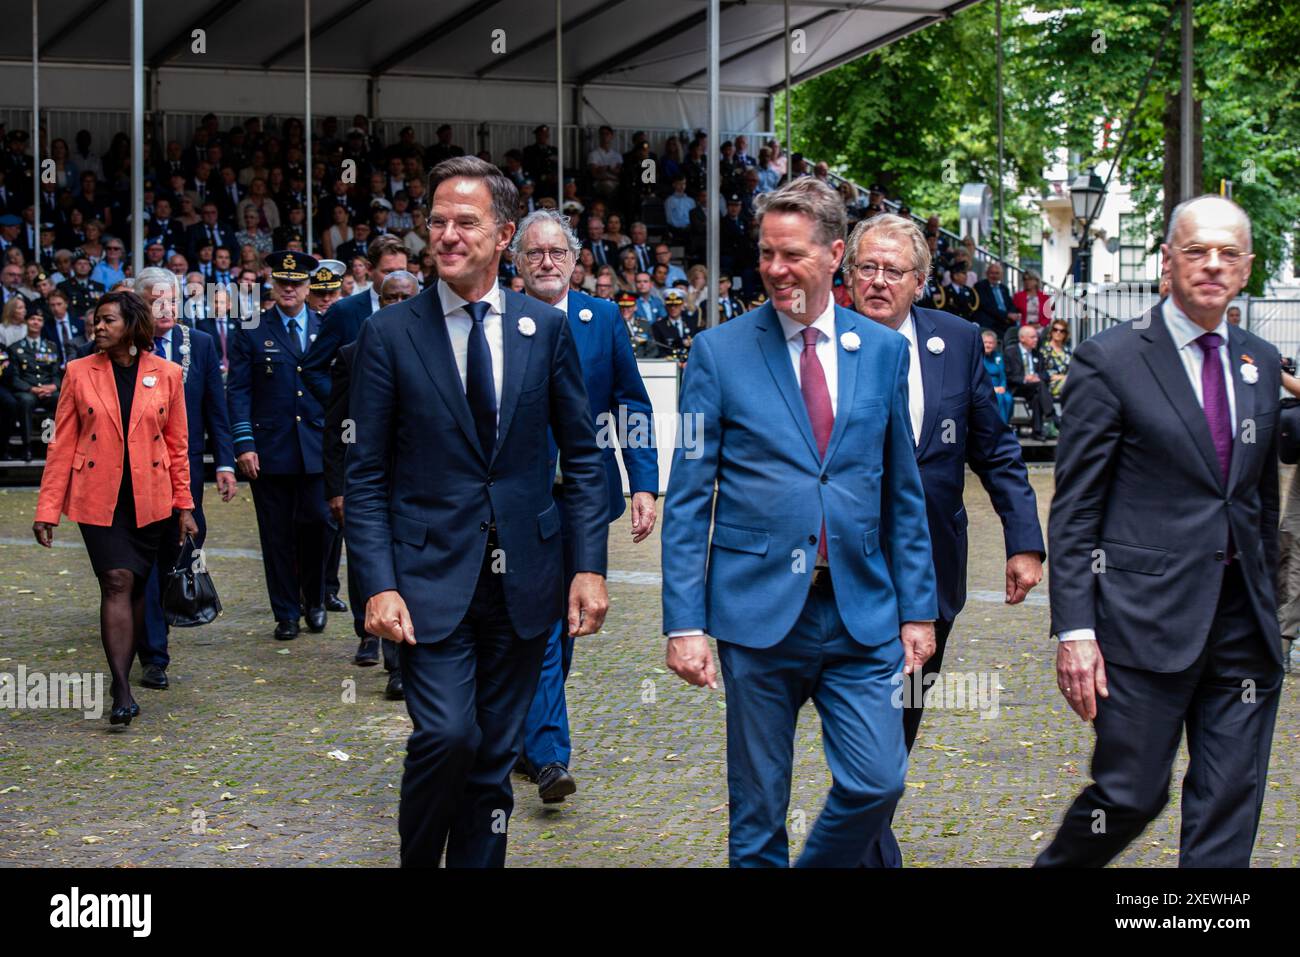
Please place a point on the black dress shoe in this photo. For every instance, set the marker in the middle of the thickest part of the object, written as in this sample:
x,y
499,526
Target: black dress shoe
x,y
155,676
522,767
316,620
367,652
554,783
135,710
335,603
122,714
286,629
394,691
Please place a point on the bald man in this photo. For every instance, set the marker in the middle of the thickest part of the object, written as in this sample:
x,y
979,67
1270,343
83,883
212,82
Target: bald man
x,y
1164,544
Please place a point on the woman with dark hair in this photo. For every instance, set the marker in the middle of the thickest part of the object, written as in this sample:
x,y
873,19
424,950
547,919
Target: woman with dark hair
x,y
119,468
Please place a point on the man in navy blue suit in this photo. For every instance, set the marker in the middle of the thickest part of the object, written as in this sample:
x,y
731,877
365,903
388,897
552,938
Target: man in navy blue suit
x,y
277,426
816,578
545,248
955,422
450,515
205,409
342,322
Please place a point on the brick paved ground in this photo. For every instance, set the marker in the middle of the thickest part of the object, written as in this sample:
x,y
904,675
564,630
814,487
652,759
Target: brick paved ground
x,y
239,749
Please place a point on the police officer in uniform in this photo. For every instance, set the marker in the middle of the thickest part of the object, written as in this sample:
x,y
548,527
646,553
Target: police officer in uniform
x,y
960,299
276,425
324,290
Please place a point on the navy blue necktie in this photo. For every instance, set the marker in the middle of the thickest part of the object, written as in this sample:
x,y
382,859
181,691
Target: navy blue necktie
x,y
480,390
292,325
158,347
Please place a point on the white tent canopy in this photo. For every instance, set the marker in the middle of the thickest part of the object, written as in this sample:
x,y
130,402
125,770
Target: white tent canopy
x,y
660,44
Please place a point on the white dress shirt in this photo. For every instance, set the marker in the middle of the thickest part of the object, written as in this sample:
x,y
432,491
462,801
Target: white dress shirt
x,y
374,300
459,325
1184,332
915,387
827,347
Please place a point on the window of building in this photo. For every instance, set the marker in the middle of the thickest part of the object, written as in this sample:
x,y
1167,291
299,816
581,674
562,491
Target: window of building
x,y
1133,248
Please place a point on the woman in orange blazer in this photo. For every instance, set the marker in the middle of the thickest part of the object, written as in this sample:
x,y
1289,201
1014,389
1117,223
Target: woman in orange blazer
x,y
121,493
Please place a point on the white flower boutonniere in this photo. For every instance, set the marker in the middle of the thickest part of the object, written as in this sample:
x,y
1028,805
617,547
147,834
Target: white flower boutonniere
x,y
526,326
935,345
1249,374
851,342
584,315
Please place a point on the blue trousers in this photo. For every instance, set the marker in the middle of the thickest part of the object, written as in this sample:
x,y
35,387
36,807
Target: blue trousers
x,y
862,735
154,649
546,728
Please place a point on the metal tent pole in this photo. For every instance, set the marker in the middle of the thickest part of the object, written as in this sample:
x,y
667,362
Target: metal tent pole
x,y
36,123
787,146
137,135
1188,133
559,105
311,198
714,209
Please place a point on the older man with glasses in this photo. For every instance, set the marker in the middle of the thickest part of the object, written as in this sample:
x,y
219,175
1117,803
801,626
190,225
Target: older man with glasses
x,y
546,249
955,422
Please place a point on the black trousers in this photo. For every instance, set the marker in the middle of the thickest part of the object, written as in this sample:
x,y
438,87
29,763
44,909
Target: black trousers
x,y
884,852
1038,397
467,696
294,529
332,558
28,405
1228,702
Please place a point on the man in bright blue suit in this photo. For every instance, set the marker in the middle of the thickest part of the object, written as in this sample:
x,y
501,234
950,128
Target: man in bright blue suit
x,y
817,580
955,422
205,409
450,517
545,249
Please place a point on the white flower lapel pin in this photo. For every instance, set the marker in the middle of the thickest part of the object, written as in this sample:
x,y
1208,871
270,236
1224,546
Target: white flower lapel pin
x,y
935,345
526,326
851,342
584,315
1249,371
149,381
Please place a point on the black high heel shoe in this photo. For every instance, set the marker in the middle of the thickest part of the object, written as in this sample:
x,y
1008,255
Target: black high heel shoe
x,y
123,714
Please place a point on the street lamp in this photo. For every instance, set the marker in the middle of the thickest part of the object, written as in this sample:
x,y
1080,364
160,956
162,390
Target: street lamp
x,y
1087,194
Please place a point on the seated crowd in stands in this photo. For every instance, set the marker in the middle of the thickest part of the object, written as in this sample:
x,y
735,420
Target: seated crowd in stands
x,y
217,203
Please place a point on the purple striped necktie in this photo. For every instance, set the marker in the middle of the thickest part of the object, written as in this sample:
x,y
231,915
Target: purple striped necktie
x,y
817,397
1214,395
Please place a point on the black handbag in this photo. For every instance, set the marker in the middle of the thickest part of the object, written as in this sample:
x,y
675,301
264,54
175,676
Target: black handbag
x,y
189,598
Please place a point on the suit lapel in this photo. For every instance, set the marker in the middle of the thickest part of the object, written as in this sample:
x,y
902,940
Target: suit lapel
x,y
847,363
1162,358
1245,396
518,347
432,343
106,388
931,375
776,352
150,365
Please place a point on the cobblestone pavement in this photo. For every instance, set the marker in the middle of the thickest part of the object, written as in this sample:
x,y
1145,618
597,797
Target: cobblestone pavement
x,y
258,754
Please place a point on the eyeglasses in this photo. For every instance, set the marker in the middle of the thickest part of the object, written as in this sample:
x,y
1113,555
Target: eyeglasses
x,y
558,256
892,274
1196,253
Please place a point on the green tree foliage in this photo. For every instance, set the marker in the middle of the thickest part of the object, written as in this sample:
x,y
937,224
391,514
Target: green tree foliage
x,y
919,115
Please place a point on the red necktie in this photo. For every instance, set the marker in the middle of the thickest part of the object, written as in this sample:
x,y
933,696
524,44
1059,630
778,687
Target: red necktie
x,y
817,398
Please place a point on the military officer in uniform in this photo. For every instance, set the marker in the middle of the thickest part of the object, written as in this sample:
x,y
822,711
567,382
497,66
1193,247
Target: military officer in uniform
x,y
82,291
326,286
276,425
960,299
729,304
36,377
638,330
